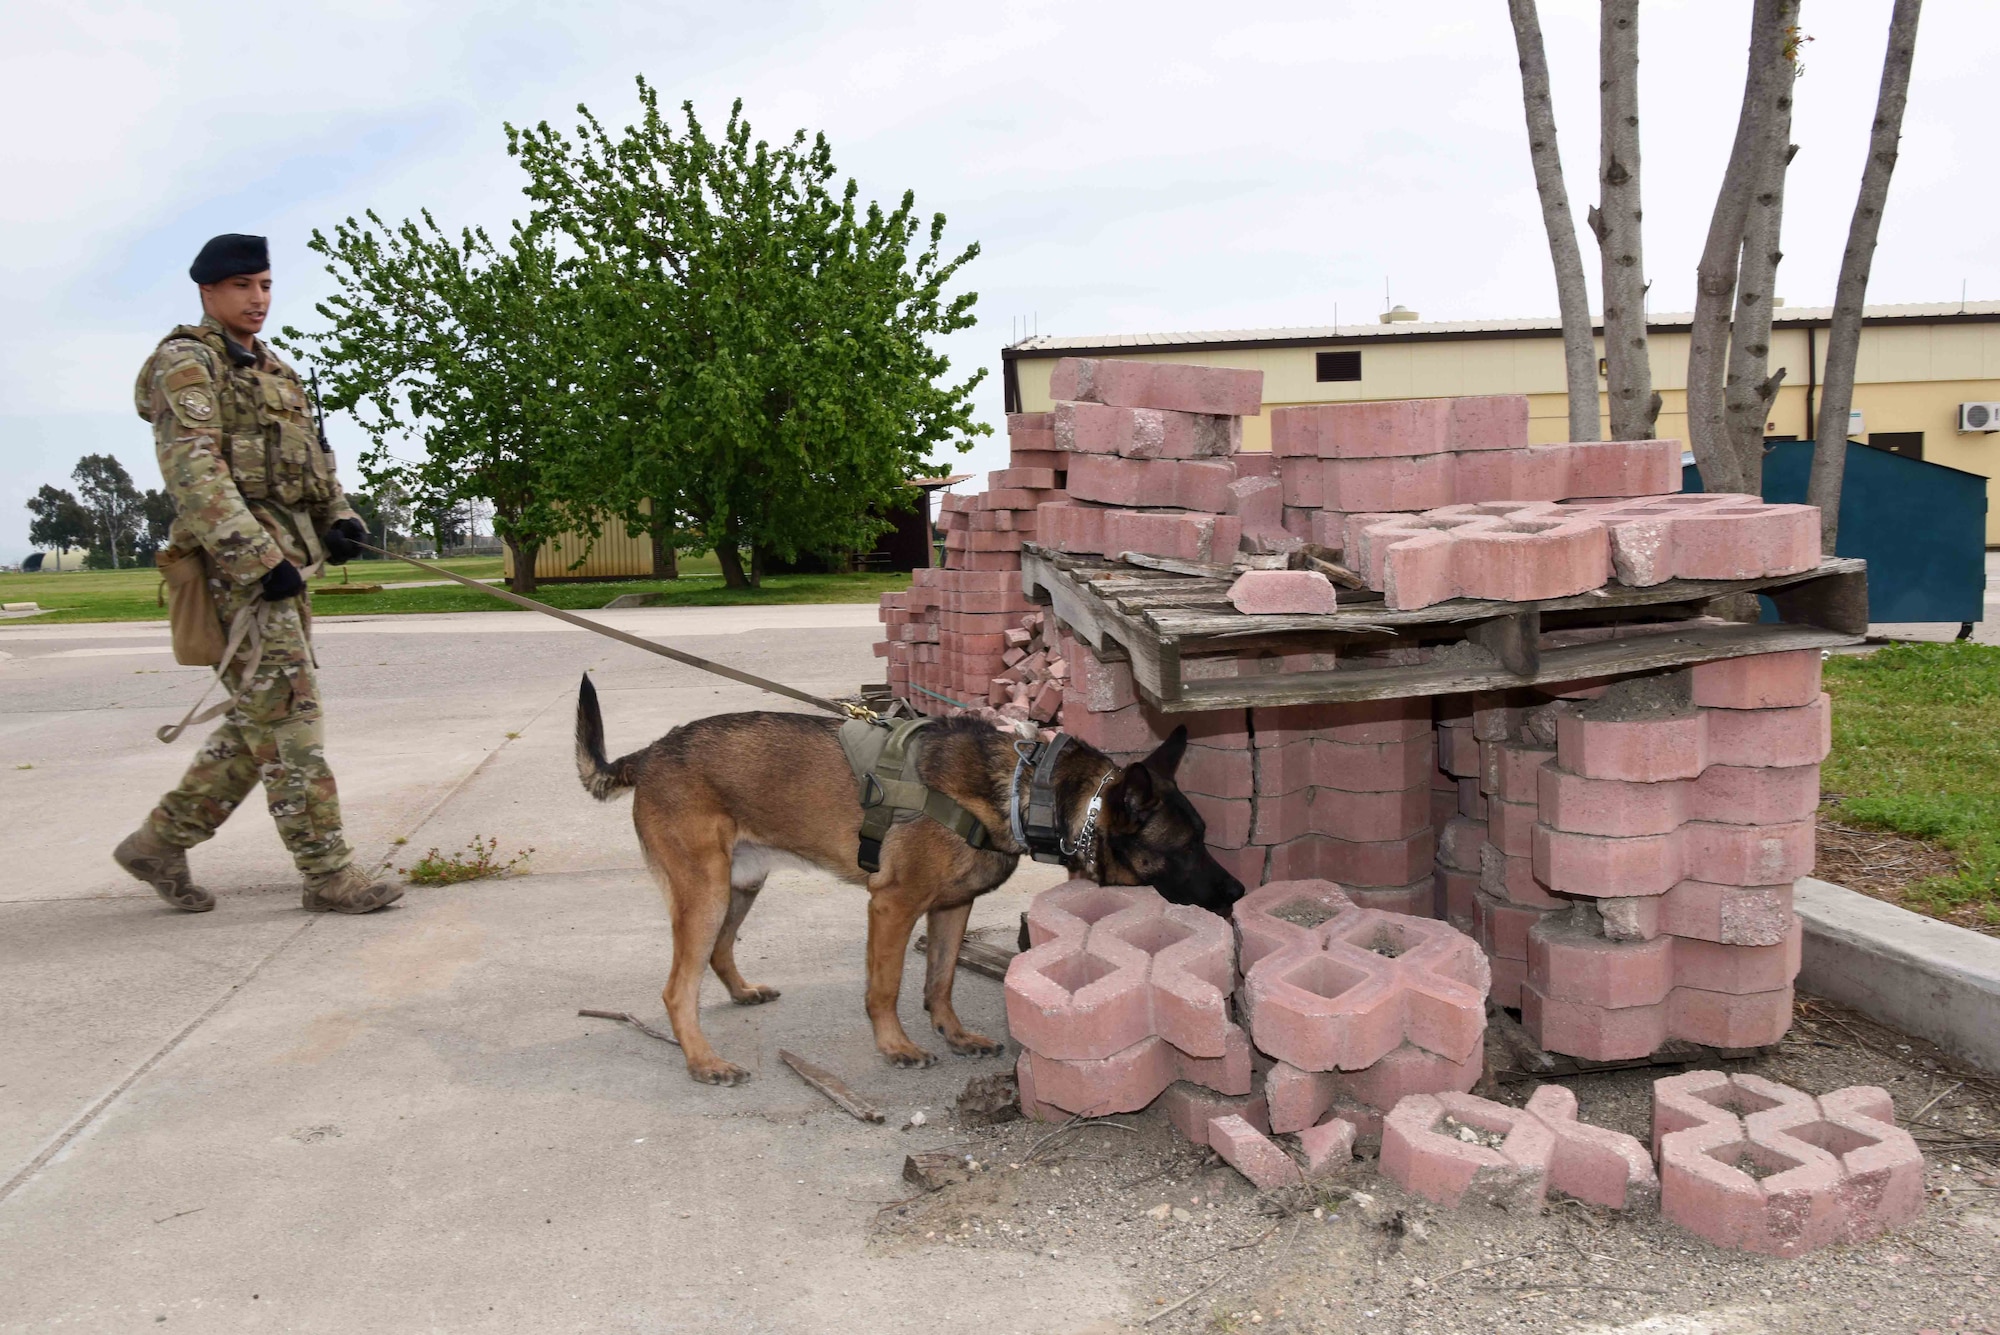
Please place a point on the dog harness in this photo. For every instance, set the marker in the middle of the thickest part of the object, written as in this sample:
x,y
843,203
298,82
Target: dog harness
x,y
883,757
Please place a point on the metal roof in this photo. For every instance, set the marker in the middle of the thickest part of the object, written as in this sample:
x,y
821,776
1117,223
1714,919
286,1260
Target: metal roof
x,y
1042,345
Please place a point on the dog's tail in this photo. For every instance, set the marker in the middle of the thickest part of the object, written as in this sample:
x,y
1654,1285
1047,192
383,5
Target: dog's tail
x,y
601,778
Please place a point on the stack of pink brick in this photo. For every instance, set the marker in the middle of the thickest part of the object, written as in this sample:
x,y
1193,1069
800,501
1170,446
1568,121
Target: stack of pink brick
x,y
947,635
1334,792
1119,995
1629,869
1340,459
1122,1000
1153,465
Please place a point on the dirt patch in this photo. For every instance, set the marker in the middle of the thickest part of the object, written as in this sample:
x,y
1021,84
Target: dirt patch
x,y
1658,696
1355,1253
1303,912
1883,865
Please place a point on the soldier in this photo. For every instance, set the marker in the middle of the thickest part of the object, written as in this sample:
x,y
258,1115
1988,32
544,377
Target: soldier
x,y
257,500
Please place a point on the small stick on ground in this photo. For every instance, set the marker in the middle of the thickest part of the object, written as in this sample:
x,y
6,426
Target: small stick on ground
x,y
1072,1124
627,1017
831,1085
1176,1306
1919,1113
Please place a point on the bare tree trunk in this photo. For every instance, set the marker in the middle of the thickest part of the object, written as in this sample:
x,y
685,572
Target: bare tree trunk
x,y
1616,222
1843,340
1722,469
729,555
1579,344
522,581
1748,389
666,560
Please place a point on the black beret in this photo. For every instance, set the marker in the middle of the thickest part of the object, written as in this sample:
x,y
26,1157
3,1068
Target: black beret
x,y
228,255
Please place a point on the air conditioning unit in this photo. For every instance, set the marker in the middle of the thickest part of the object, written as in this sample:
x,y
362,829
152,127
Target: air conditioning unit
x,y
1979,417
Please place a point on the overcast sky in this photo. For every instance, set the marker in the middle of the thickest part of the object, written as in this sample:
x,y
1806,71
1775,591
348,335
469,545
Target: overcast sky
x,y
1124,167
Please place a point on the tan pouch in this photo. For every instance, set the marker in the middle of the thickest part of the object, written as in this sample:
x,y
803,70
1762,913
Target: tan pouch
x,y
191,612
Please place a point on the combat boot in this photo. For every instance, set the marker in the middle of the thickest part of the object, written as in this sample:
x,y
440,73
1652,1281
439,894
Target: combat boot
x,y
348,890
163,866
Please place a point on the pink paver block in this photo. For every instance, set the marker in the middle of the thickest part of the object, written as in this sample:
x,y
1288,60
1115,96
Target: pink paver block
x,y
1724,794
1071,527
1734,915
1422,1155
1069,909
1540,473
1513,553
1763,795
1174,386
1501,927
1593,865
1729,1020
1328,1146
1362,767
1373,864
1252,1153
1257,501
1701,536
1298,1099
1455,890
1152,968
1207,538
1459,842
1360,723
1182,484
1367,982
1643,750
1509,977
1190,1108
1284,913
1591,1163
1714,967
1510,770
1367,430
1829,1170
1569,962
1634,918
1597,1033
1282,592
1512,827
1416,900
1144,433
1759,681
1759,737
1458,751
1127,1081
1102,686
1420,482
1213,772
1487,422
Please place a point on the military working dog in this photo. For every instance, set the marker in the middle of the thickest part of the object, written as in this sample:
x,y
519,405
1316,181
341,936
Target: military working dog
x,y
721,802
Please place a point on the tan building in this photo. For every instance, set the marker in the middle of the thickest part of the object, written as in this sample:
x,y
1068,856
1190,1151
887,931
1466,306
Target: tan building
x,y
1917,365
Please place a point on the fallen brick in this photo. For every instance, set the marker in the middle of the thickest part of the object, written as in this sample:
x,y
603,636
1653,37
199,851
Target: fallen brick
x,y
1703,536
1190,1108
1282,592
1328,1146
1206,538
1591,1163
1252,1153
1423,1155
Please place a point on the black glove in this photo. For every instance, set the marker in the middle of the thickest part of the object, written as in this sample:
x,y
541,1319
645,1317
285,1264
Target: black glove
x,y
282,582
343,541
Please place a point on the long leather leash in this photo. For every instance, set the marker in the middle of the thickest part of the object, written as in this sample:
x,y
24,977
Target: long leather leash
x,y
651,647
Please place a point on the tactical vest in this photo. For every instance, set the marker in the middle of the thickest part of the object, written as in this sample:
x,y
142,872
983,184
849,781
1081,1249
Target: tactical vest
x,y
266,422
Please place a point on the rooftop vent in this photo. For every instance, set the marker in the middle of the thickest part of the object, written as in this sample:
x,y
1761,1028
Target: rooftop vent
x,y
1397,315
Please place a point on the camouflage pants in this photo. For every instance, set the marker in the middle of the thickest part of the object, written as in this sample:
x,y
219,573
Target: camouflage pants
x,y
272,733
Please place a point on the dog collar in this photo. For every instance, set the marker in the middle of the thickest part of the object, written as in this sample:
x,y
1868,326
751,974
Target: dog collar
x,y
1039,829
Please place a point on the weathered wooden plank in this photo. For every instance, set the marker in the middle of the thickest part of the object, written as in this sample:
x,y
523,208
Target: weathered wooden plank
x,y
1700,643
1199,569
1516,641
1098,622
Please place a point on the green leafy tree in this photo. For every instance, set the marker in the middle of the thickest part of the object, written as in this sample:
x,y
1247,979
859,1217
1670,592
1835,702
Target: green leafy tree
x,y
107,495
59,521
470,348
762,364
156,512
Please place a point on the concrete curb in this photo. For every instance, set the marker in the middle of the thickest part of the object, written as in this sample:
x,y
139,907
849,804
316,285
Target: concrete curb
x,y
1923,976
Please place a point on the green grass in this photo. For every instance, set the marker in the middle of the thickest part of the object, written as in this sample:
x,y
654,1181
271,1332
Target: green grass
x,y
1916,749
134,595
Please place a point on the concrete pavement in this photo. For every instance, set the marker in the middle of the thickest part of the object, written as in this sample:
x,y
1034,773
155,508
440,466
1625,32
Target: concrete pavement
x,y
253,1119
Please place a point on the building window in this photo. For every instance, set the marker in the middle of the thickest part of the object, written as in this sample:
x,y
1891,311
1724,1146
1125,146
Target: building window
x,y
1909,444
1336,366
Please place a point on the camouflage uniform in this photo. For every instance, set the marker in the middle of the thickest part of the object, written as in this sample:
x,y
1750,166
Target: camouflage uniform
x,y
253,485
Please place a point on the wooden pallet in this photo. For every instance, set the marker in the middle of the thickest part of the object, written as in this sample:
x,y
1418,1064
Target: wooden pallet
x,y
1157,619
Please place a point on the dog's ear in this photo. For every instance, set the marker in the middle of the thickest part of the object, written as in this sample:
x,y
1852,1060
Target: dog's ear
x,y
1167,758
1135,797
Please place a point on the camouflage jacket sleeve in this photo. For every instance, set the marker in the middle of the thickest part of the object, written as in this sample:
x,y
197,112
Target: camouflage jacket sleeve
x,y
336,508
194,463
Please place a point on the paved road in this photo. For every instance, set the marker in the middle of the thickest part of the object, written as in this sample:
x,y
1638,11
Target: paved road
x,y
257,1120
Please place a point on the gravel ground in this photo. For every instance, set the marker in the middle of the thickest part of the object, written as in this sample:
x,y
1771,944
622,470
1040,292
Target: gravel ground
x,y
1206,1251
